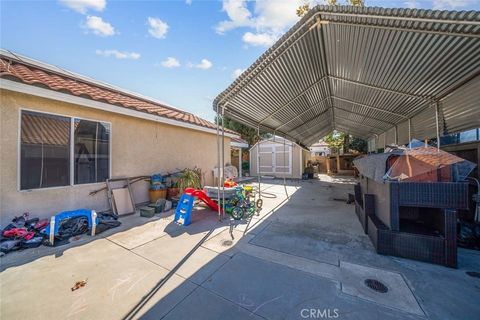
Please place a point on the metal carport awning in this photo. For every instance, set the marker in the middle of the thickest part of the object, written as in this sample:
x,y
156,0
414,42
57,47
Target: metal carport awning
x,y
364,71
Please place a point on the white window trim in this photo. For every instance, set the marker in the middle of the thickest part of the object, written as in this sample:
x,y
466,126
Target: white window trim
x,y
72,150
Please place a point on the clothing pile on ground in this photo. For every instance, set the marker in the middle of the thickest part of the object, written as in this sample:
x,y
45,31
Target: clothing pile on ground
x,y
25,232
22,233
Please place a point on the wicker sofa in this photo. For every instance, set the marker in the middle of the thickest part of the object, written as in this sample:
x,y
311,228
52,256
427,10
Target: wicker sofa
x,y
414,220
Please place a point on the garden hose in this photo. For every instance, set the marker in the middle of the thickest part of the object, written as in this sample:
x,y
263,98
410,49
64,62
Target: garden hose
x,y
269,195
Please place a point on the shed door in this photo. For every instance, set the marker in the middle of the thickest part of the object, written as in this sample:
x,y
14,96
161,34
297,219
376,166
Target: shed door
x,y
275,158
266,153
283,159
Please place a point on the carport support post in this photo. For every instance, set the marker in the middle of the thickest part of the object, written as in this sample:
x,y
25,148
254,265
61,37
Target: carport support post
x,y
258,162
284,161
240,161
409,131
223,163
438,125
218,164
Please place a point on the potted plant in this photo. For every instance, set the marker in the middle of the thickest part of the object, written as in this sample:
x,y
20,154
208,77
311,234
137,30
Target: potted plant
x,y
173,190
190,178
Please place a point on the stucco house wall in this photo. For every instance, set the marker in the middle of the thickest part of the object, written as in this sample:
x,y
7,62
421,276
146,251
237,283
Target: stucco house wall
x,y
138,147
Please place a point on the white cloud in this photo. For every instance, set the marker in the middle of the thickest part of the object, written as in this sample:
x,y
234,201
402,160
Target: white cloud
x,y
269,19
189,2
411,4
99,27
158,29
204,64
118,54
276,15
82,6
237,72
259,39
170,62
238,14
452,4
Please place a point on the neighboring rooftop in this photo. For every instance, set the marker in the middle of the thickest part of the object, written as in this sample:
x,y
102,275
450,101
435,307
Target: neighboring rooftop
x,y
320,144
239,142
32,72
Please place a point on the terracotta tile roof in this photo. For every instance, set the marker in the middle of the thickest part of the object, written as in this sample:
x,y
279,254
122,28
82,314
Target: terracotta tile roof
x,y
31,74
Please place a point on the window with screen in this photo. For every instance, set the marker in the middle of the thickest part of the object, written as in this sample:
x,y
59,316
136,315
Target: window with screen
x,y
91,151
46,146
45,151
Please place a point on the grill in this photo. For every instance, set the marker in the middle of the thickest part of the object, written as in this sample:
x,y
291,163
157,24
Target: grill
x,y
376,285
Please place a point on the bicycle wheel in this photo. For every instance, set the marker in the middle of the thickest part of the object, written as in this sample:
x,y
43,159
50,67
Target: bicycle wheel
x,y
237,213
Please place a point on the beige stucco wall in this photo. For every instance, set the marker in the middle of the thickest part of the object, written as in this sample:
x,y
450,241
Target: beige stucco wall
x,y
298,161
139,147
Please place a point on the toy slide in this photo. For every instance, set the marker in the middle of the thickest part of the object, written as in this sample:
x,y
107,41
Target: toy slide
x,y
202,196
185,205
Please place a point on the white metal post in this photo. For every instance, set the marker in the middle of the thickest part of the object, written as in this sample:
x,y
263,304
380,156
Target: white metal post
x,y
94,222
52,230
218,164
258,162
284,173
240,161
438,125
223,163
409,131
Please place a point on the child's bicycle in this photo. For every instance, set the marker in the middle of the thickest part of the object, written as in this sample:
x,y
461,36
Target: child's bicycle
x,y
242,205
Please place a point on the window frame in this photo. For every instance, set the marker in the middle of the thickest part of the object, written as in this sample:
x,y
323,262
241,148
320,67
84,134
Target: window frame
x,y
72,150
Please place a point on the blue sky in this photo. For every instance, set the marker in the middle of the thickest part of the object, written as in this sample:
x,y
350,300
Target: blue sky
x,y
181,52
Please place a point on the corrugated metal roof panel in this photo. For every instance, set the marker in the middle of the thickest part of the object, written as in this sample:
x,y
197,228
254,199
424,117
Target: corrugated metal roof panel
x,y
424,124
360,70
372,145
403,134
390,136
462,108
381,141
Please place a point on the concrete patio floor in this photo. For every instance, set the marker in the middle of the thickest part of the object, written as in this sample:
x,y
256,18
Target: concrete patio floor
x,y
304,256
